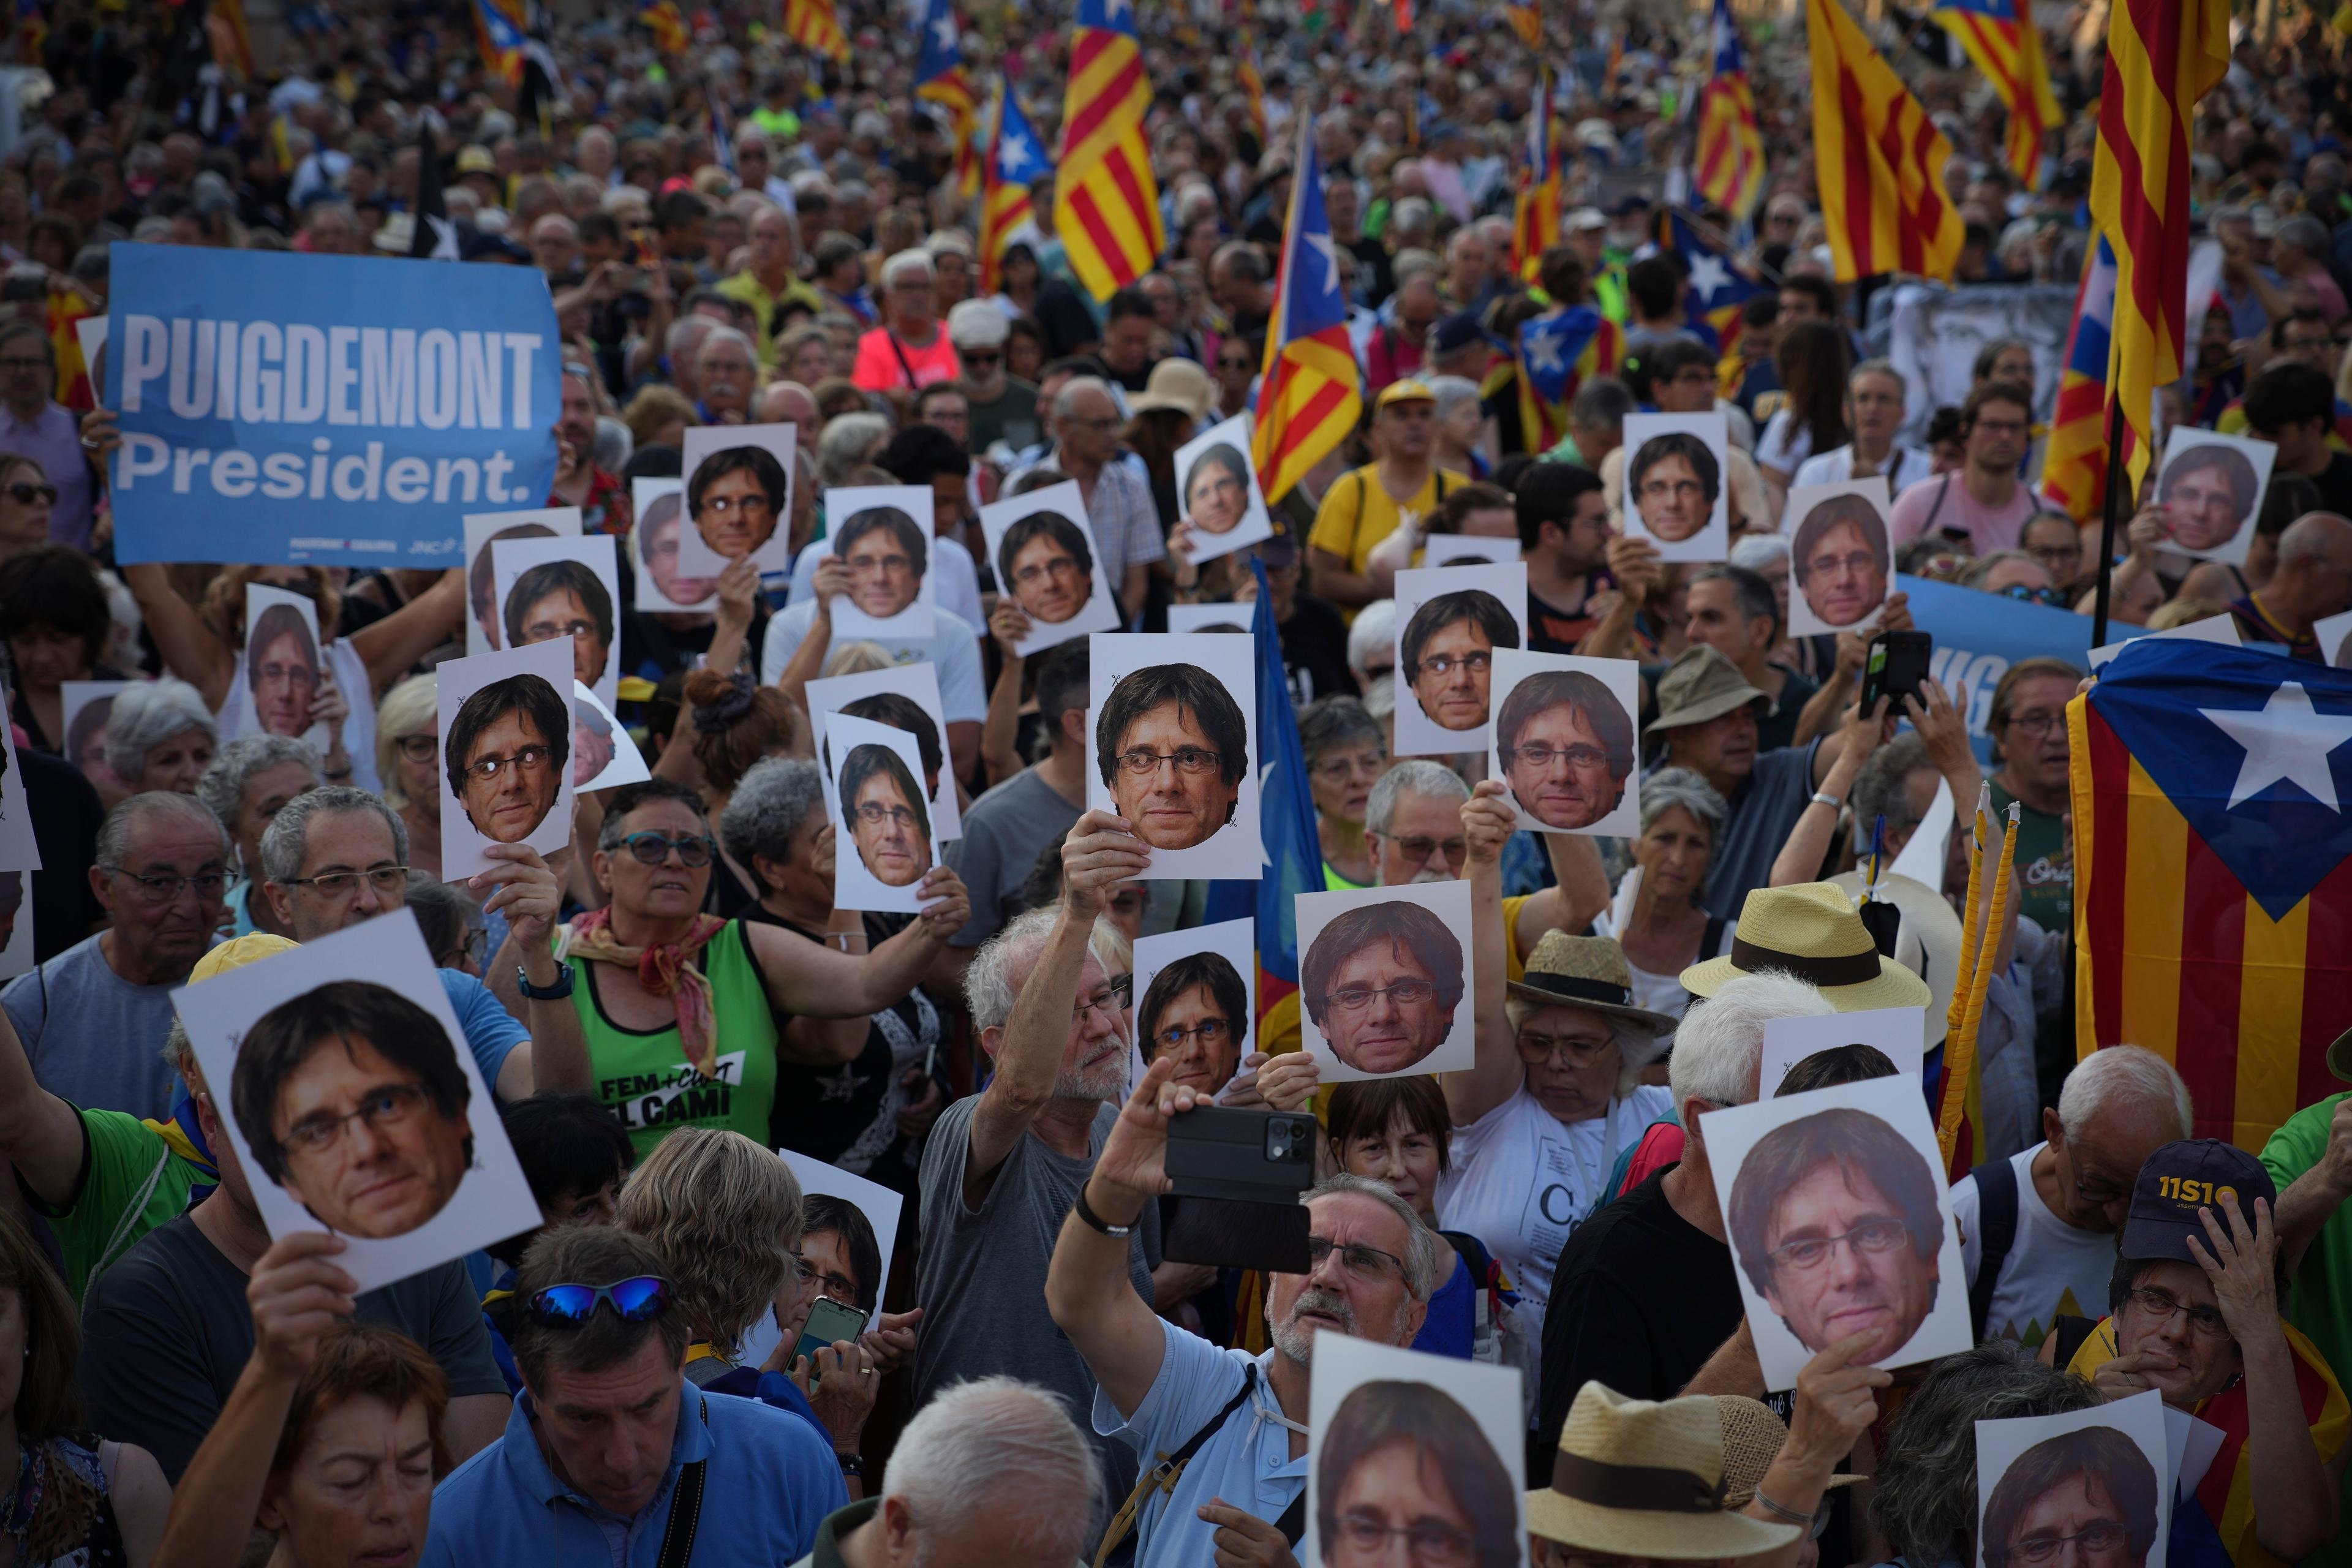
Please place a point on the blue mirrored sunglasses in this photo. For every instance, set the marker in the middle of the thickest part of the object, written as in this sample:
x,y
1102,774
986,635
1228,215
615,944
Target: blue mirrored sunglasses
x,y
631,1301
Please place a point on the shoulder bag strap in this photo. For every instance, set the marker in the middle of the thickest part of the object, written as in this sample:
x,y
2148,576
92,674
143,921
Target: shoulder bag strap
x,y
904,365
1943,492
1162,1477
1293,1523
1996,1234
685,1509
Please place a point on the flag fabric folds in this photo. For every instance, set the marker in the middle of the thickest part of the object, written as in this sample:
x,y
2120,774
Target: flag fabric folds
x,y
1881,159
1716,290
1558,352
1527,21
2075,464
666,23
1251,76
2213,873
2000,38
2162,56
1310,393
1015,157
815,27
1106,201
499,27
940,78
1535,211
1730,145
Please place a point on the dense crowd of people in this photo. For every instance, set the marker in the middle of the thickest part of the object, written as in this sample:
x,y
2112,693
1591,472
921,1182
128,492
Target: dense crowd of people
x,y
744,232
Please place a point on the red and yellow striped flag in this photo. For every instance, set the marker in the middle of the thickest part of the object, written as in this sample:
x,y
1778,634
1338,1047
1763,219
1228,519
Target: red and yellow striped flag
x,y
1880,158
1253,79
1527,21
2000,38
1105,200
815,27
1730,146
1310,393
940,78
2162,56
1535,210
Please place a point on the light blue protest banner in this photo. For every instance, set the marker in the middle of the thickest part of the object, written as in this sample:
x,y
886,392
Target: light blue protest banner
x,y
325,410
1979,635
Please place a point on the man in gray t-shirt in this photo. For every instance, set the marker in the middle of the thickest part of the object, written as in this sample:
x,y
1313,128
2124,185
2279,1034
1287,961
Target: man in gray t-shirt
x,y
1004,1167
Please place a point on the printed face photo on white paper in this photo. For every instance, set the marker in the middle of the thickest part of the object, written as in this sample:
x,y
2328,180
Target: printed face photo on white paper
x,y
15,923
2088,1489
1195,1000
563,590
1183,618
19,851
485,625
1840,1224
1840,564
354,1103
1217,492
1450,620
1172,749
1565,743
1445,549
738,497
885,842
1899,1034
1677,492
905,697
2334,634
655,547
506,753
603,754
850,1241
87,705
283,665
2211,486
883,533
1384,981
1044,552
1408,1446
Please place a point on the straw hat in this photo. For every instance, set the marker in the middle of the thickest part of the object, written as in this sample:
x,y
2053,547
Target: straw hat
x,y
1635,1478
1752,1436
1811,931
1585,971
1177,383
1929,945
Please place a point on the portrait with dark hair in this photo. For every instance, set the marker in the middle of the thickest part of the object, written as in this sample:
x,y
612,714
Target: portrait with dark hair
x,y
1217,494
902,712
2210,489
1402,1461
905,698
85,729
1673,480
1446,648
353,1101
505,744
1195,1012
550,597
1173,748
1216,490
486,631
281,660
839,1246
886,814
1840,562
738,494
1564,742
1381,978
654,541
2093,1487
1046,563
848,1247
882,534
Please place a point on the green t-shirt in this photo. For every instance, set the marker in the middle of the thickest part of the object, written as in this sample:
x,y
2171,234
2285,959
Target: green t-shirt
x,y
131,1182
2045,883
643,1076
1009,416
2321,1303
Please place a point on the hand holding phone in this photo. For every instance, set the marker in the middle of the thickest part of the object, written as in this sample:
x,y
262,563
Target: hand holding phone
x,y
829,1322
1895,667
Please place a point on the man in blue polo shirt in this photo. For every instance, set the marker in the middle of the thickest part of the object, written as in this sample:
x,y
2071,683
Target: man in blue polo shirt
x,y
609,1441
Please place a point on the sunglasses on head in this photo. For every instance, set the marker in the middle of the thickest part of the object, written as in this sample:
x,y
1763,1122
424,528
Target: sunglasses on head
x,y
631,1301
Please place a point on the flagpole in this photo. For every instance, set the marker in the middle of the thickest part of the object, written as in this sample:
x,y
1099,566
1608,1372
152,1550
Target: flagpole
x,y
2113,503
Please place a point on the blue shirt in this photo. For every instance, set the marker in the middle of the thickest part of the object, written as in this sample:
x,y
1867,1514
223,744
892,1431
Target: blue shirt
x,y
491,1032
1246,1461
772,1481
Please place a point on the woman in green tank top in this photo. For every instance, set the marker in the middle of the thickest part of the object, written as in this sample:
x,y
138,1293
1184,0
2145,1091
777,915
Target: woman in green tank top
x,y
680,1007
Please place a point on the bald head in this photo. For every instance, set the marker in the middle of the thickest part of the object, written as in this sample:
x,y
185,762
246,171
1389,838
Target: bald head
x,y
2315,536
790,403
2313,580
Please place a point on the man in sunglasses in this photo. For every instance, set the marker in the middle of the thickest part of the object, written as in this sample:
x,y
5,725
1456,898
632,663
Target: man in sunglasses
x,y
608,1441
1000,406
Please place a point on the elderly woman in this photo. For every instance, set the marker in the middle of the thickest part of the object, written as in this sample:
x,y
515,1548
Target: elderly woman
x,y
910,348
26,498
849,442
1460,426
248,781
408,758
55,620
1668,929
1347,750
776,827
161,735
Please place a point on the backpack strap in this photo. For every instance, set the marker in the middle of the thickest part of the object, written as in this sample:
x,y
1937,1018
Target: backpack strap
x,y
1943,493
685,1509
2071,1331
1996,1234
1163,1476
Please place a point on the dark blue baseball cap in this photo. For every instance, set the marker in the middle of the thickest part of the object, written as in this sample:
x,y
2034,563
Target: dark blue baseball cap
x,y
1459,331
2180,1178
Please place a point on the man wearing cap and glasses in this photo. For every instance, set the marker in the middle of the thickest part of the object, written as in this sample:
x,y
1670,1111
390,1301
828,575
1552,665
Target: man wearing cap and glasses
x,y
1001,408
608,1452
1363,507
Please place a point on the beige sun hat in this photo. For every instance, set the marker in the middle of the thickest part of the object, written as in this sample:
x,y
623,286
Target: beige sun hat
x,y
1567,970
1929,944
1812,932
1177,383
1752,1437
1638,1478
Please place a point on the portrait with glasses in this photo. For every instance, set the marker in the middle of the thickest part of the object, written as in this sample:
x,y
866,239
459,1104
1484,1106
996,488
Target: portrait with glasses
x,y
1450,621
2211,490
1839,559
1414,1460
506,748
1675,495
354,1102
883,535
282,670
654,549
906,696
848,1242
1195,1009
1219,495
1564,741
1841,1224
738,497
485,627
563,590
1046,559
2077,1491
875,790
1381,976
1173,749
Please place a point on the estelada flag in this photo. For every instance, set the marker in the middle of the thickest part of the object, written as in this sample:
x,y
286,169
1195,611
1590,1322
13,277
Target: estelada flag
x,y
2213,792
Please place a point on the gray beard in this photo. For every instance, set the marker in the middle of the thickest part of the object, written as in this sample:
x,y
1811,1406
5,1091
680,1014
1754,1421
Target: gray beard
x,y
1298,1344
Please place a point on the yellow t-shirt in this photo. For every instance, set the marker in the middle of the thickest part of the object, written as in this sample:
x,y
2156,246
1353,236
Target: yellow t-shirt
x,y
1514,967
1357,512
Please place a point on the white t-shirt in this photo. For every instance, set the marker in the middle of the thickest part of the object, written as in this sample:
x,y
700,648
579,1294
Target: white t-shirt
x,y
2052,1267
351,673
1785,443
955,582
953,647
1521,1180
1906,466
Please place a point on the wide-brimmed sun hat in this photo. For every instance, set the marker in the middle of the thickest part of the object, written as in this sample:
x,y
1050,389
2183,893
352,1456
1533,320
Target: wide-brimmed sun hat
x,y
1567,970
1752,1439
1811,931
1638,1479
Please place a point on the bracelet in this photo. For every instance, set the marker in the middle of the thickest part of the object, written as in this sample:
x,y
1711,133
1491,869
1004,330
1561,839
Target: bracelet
x,y
1094,1221
1823,797
1779,1510
851,1465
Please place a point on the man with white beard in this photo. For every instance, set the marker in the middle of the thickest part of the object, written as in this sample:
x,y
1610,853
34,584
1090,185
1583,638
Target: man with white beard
x,y
1003,1166
1412,824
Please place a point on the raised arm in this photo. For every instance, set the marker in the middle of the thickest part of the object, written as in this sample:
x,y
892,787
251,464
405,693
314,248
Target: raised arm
x,y
2307,1206
1000,749
1580,891
1894,616
40,1134
1633,563
191,649
808,660
1487,822
822,982
1836,1404
1332,580
1811,841
391,647
739,597
528,891
1086,1286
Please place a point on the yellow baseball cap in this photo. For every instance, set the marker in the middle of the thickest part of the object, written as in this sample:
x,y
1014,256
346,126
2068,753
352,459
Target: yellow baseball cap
x,y
1409,390
238,951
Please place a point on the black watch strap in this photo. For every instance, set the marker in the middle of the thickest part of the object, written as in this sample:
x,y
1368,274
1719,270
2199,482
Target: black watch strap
x,y
1088,1216
555,992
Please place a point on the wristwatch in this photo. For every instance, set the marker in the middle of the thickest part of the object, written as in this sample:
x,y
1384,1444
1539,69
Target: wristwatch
x,y
555,992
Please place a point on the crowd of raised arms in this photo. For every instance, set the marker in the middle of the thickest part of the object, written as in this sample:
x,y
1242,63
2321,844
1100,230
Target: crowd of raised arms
x,y
699,1357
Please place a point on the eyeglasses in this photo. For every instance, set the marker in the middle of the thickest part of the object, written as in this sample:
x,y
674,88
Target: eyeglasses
x,y
335,884
2031,592
893,561
548,631
530,760
1684,489
1417,851
874,813
1873,1238
2035,725
2099,1538
476,946
390,1105
1193,761
1428,1542
1854,564
839,1287
1445,664
1537,1049
633,1300
1057,566
2163,1306
653,848
1210,1032
272,671
1542,757
419,748
2000,426
1366,1263
2046,553
982,356
26,494
1129,901
1403,994
163,888
1110,1001
721,505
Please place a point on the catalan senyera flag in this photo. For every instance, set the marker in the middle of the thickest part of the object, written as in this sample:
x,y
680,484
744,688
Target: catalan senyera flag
x,y
1311,392
1880,160
499,32
1535,210
2000,38
2162,56
1015,157
940,77
1559,353
2075,464
1251,76
2213,873
1730,147
1717,291
666,23
1105,200
815,27
1527,21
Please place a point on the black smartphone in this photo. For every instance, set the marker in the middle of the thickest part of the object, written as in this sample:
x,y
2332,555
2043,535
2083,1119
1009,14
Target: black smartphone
x,y
1896,668
1237,1175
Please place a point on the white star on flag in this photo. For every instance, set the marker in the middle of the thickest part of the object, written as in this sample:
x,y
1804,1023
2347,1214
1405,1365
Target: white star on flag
x,y
444,239
1015,156
944,30
1321,244
2286,740
1544,350
1709,277
1111,8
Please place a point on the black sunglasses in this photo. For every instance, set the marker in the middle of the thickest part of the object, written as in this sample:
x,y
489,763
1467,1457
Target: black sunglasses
x,y
653,848
24,494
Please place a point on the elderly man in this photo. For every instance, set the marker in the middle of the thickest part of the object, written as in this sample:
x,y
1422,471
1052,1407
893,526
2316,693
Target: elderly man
x,y
602,499
92,1017
1735,611
33,424
2313,582
998,407
1412,824
727,371
1365,506
555,245
1003,1166
1241,1498
769,279
609,1440
1120,509
910,348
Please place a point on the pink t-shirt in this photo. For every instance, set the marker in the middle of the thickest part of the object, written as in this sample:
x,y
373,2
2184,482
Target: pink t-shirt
x,y
1944,504
880,366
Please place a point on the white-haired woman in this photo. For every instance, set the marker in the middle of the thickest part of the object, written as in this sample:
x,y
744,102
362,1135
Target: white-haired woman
x,y
909,349
847,443
249,780
1667,928
408,759
160,735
